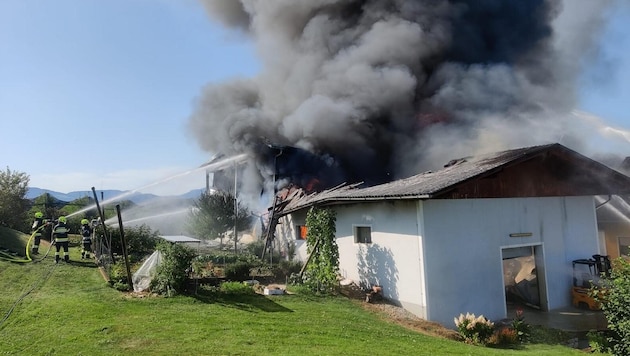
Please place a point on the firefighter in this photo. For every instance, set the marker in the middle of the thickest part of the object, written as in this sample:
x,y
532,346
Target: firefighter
x,y
38,226
86,240
60,235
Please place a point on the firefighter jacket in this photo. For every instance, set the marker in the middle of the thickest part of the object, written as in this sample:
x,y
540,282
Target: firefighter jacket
x,y
86,233
37,226
60,232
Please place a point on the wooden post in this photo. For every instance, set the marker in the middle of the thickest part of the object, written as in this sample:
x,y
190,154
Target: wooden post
x,y
101,214
309,257
124,247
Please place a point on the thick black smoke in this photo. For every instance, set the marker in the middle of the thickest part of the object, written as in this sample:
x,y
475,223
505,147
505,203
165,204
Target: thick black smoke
x,y
389,88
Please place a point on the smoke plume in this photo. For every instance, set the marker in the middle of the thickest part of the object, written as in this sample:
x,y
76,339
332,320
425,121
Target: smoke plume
x,y
390,88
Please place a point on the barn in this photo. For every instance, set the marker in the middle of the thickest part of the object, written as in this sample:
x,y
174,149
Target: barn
x,y
470,236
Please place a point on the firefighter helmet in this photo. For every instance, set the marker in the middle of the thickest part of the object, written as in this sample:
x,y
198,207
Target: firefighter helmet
x,y
39,215
84,221
62,219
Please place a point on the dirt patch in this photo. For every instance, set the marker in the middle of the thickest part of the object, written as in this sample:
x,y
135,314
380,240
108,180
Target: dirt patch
x,y
398,315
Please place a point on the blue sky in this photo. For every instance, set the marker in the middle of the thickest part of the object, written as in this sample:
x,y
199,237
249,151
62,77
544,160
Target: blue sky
x,y
97,93
605,89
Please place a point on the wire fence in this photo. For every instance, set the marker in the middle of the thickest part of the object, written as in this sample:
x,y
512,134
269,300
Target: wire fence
x,y
103,252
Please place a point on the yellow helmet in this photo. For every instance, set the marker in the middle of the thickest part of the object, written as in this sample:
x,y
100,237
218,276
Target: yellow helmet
x,y
84,221
62,219
39,215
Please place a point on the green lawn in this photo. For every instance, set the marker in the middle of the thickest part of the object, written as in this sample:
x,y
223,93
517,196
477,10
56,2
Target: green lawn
x,y
70,310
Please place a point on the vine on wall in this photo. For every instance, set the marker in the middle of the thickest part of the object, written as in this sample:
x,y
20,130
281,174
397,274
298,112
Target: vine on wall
x,y
321,272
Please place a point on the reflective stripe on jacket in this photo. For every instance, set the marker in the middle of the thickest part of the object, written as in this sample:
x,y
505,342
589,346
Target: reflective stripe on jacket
x,y
37,224
60,232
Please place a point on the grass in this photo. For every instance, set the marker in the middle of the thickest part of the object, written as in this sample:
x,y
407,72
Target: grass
x,y
70,310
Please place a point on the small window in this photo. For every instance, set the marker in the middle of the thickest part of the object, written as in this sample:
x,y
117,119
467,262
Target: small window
x,y
624,246
301,232
363,234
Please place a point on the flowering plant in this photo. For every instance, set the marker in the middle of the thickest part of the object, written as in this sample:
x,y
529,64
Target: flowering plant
x,y
520,326
474,329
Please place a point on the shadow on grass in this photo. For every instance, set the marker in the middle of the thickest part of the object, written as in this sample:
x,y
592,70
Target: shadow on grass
x,y
82,263
75,263
245,302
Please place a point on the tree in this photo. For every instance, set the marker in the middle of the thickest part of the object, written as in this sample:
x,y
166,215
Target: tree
x,y
13,203
212,215
48,205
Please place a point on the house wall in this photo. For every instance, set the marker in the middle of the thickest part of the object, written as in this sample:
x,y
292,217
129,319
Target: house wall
x,y
393,259
286,233
440,258
464,239
612,232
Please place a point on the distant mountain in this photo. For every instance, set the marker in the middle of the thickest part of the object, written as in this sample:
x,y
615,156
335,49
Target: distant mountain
x,y
193,194
103,195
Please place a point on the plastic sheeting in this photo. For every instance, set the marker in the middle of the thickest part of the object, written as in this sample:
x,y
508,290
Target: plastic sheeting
x,y
143,276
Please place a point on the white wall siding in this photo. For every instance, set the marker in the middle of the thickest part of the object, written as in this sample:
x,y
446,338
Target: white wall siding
x,y
392,260
463,241
440,258
286,233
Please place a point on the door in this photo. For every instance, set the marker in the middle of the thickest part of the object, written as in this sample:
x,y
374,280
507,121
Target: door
x,y
522,269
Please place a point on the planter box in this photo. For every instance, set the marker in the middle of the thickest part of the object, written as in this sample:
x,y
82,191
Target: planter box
x,y
268,291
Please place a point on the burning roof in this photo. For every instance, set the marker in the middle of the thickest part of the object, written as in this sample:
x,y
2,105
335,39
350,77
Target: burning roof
x,y
547,170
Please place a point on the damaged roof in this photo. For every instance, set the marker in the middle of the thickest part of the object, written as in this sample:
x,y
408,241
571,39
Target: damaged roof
x,y
547,170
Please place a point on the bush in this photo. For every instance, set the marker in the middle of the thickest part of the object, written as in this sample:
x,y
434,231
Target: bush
x,y
474,330
505,336
614,298
285,269
239,271
236,288
172,273
141,241
226,257
598,341
118,276
256,248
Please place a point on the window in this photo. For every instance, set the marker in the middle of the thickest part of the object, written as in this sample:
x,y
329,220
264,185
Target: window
x,y
363,234
300,231
624,246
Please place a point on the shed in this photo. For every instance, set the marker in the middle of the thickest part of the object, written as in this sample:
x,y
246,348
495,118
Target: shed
x,y
468,237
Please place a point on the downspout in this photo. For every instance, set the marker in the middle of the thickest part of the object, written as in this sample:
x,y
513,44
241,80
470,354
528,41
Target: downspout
x,y
599,247
422,258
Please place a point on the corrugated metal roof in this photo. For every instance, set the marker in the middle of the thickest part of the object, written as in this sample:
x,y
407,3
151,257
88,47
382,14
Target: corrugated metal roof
x,y
425,185
180,239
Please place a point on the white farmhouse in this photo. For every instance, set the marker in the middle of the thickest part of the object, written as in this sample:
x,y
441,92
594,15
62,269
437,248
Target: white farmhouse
x,y
469,236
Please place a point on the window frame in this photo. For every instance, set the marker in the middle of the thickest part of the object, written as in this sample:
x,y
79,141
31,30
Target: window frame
x,y
623,246
359,237
301,232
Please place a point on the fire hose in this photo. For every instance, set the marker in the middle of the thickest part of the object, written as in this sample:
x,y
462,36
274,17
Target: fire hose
x,y
33,287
